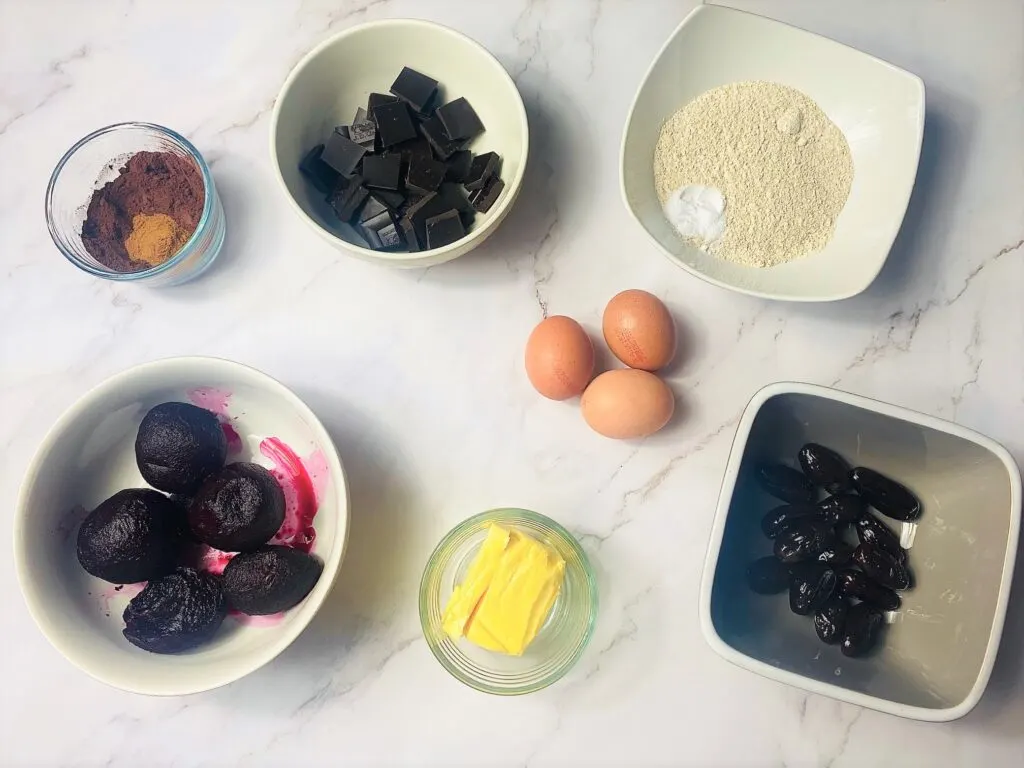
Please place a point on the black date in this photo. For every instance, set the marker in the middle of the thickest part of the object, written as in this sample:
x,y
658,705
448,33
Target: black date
x,y
803,540
875,533
836,554
825,468
854,584
830,620
810,587
863,626
887,496
880,566
785,483
780,518
843,508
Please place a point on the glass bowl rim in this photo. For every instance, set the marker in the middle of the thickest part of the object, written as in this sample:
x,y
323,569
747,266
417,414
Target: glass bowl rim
x,y
186,250
435,561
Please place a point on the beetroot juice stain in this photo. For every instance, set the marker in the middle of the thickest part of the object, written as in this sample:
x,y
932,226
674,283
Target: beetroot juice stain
x,y
216,402
300,496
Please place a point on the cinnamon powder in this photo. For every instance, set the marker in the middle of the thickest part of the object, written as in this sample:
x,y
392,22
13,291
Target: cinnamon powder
x,y
149,183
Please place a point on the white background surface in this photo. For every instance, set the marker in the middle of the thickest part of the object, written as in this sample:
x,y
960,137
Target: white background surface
x,y
419,378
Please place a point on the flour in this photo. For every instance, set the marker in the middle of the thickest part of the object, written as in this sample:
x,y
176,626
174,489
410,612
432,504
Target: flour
x,y
783,168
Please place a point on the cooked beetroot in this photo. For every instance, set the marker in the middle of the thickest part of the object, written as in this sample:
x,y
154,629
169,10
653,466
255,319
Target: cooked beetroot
x,y
176,612
270,580
238,509
178,445
135,535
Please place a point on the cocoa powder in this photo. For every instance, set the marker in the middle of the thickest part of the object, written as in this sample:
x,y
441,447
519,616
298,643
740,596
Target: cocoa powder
x,y
149,183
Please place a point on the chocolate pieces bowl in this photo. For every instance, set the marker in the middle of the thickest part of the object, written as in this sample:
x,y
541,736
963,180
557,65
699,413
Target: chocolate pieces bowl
x,y
361,138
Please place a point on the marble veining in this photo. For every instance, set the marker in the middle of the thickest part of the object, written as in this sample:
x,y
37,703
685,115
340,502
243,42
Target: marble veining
x,y
418,377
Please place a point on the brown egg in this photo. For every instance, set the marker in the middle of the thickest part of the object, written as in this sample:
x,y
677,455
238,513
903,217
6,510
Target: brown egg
x,y
559,358
627,403
639,330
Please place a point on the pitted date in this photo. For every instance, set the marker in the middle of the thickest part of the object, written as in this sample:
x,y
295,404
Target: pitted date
x,y
880,566
835,555
768,576
863,626
785,483
830,620
854,584
875,533
780,518
825,468
842,508
887,496
810,587
803,540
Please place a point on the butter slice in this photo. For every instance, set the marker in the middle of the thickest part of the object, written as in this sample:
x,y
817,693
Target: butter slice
x,y
507,594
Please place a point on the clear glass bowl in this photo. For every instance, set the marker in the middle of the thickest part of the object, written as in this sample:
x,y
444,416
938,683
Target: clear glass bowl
x,y
560,641
95,160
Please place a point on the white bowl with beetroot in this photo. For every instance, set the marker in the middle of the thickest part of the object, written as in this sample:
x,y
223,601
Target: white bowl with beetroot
x,y
180,525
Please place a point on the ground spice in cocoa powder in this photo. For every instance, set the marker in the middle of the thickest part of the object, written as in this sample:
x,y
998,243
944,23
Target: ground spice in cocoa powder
x,y
155,238
149,183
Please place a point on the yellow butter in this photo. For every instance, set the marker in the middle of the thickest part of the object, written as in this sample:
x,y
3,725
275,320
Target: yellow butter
x,y
507,594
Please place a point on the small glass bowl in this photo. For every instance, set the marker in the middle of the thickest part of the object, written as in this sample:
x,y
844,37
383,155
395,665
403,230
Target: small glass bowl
x,y
97,159
560,641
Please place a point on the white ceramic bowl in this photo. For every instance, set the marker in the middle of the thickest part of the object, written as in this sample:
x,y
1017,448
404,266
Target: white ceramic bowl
x,y
879,108
336,77
89,455
936,657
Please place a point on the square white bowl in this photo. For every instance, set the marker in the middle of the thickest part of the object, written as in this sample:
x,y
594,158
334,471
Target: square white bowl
x,y
937,655
878,107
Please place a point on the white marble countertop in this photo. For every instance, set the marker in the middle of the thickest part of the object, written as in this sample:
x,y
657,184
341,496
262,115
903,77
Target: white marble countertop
x,y
418,376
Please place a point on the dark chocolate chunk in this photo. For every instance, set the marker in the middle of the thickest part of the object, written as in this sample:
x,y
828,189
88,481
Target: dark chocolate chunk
x,y
363,133
415,88
393,200
361,115
444,229
373,206
481,170
342,154
319,173
383,172
409,233
341,183
381,232
428,110
454,195
346,201
458,166
427,207
483,199
343,130
460,119
390,237
444,146
416,148
375,100
394,124
425,175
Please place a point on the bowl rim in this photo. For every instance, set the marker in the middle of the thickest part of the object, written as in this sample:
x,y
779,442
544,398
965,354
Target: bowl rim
x,y
853,290
498,514
435,255
209,194
719,646
34,599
